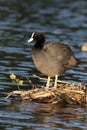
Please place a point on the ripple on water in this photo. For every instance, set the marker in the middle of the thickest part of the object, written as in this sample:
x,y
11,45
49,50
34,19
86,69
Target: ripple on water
x,y
62,21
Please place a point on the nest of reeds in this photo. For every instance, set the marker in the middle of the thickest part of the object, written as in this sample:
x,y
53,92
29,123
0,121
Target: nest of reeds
x,y
64,93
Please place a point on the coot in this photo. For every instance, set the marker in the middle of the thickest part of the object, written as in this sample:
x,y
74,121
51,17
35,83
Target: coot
x,y
51,58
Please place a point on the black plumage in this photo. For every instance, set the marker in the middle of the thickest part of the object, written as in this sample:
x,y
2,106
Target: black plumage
x,y
51,58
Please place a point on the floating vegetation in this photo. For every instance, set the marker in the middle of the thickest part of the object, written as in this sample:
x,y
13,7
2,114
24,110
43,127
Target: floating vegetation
x,y
65,92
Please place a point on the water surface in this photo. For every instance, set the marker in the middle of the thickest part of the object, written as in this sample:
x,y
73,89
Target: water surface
x,y
62,21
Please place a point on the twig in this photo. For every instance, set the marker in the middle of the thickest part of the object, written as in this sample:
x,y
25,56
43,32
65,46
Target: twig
x,y
12,93
86,93
39,77
30,82
59,81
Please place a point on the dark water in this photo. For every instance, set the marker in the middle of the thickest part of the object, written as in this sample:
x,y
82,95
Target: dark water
x,y
61,20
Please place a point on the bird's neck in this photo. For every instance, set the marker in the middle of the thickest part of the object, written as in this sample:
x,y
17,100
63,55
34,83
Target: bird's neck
x,y
38,45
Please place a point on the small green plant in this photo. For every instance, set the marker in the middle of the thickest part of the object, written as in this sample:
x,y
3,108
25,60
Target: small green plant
x,y
16,80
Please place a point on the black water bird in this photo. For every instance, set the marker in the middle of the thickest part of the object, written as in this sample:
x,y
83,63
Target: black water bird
x,y
51,58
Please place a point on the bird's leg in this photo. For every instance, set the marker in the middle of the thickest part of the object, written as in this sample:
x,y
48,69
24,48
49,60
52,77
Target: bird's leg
x,y
55,84
48,82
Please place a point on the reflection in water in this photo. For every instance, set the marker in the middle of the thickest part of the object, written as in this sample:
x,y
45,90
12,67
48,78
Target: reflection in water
x,y
50,115
62,21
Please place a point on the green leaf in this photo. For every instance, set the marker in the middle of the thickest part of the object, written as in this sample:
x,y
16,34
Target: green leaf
x,y
12,76
20,82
